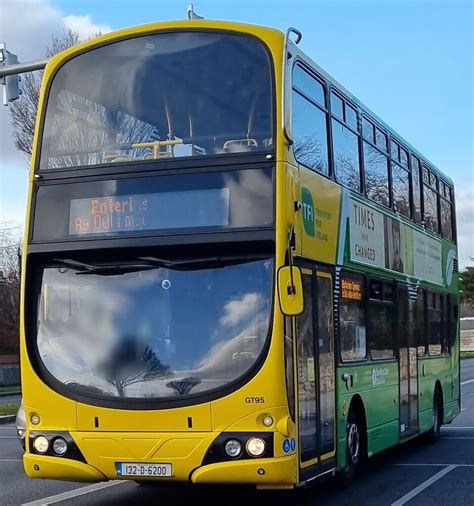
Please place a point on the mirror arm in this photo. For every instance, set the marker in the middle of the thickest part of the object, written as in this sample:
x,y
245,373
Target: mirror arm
x,y
291,241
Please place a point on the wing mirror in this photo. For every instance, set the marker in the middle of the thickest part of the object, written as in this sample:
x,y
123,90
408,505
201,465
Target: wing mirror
x,y
290,290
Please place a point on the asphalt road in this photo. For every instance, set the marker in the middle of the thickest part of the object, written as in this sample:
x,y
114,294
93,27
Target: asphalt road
x,y
7,399
418,473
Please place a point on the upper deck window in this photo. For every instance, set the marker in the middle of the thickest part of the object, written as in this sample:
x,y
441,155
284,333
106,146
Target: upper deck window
x,y
160,96
309,121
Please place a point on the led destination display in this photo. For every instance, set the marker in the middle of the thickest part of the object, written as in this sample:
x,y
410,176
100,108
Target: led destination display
x,y
149,211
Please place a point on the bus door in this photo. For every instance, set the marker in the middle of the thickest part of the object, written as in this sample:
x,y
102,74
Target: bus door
x,y
407,304
315,371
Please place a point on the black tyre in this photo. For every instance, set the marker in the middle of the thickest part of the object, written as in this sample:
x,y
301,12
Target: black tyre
x,y
355,448
435,431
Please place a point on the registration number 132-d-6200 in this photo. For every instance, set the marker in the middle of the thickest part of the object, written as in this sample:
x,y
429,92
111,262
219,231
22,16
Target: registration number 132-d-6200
x,y
140,469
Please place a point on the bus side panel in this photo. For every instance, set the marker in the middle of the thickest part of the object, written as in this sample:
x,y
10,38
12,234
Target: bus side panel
x,y
431,370
377,386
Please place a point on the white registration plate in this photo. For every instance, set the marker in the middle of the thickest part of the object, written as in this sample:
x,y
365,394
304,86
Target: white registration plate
x,y
144,469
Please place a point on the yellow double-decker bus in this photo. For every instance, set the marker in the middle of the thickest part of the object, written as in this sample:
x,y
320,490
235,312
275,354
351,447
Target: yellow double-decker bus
x,y
234,272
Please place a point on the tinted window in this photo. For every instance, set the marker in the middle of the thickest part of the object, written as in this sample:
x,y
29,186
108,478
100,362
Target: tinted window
x,y
307,370
453,320
380,320
420,323
435,320
368,130
352,326
309,135
337,106
351,116
376,175
381,139
160,96
307,84
346,156
430,199
415,174
394,150
400,190
446,220
404,158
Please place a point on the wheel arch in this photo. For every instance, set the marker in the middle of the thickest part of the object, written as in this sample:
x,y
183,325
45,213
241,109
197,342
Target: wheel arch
x,y
438,391
357,405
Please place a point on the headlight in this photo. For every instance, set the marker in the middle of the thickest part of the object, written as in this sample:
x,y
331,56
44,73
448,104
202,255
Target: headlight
x,y
233,448
59,446
41,444
255,446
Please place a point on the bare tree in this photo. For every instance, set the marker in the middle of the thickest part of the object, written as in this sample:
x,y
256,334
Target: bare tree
x,y
10,261
23,112
127,366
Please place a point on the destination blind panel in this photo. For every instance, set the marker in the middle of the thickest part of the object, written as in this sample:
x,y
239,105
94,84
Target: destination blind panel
x,y
164,204
149,211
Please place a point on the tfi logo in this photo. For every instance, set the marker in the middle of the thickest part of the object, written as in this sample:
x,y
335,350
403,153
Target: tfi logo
x,y
308,211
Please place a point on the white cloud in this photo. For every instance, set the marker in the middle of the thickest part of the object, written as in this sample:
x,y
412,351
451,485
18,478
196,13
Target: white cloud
x,y
84,26
238,311
27,27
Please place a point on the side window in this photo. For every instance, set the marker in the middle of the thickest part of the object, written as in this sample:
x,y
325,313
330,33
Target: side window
x,y
446,211
309,122
380,319
445,343
435,320
345,138
400,180
415,181
352,326
430,200
453,320
376,164
420,331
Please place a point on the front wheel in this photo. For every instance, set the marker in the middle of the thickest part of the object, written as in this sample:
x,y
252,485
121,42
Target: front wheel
x,y
355,448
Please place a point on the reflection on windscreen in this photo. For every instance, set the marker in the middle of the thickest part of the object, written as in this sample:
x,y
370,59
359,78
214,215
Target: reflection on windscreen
x,y
153,333
159,96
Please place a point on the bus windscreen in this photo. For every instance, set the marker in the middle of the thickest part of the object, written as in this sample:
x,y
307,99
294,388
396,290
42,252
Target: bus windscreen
x,y
166,95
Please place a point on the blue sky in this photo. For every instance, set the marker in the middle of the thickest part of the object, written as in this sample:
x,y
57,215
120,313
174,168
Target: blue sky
x,y
410,61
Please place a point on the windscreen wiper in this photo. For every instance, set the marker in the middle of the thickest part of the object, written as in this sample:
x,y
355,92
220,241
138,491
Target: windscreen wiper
x,y
105,270
201,262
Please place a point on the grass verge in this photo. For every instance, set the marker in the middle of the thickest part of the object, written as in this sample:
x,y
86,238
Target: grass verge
x,y
467,354
9,409
10,388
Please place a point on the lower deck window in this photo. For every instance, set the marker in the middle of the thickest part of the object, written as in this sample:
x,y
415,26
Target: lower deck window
x,y
352,326
380,319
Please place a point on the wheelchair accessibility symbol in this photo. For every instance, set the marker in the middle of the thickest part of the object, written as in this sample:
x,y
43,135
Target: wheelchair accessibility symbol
x,y
289,445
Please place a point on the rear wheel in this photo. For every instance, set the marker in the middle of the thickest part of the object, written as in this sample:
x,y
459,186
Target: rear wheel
x,y
437,415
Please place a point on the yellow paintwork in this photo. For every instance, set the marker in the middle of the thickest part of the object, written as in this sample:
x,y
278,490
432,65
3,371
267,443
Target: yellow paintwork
x,y
290,291
129,435
326,201
47,467
164,435
280,471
